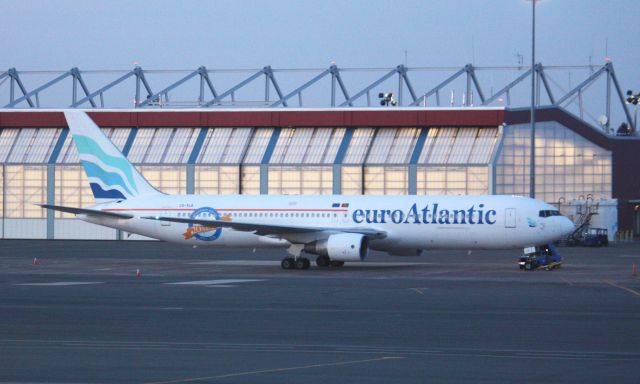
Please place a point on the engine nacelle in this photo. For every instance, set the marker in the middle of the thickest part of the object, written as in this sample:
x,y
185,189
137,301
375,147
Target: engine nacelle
x,y
341,247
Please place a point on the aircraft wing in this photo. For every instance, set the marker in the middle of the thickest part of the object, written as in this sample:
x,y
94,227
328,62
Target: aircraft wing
x,y
85,211
269,229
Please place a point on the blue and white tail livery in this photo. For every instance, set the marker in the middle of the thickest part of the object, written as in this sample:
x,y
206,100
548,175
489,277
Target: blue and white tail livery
x,y
334,228
110,174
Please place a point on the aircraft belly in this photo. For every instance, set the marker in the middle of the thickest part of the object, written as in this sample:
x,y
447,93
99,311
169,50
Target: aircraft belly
x,y
245,239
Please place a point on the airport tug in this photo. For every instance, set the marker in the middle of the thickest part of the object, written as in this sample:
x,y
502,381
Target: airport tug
x,y
544,256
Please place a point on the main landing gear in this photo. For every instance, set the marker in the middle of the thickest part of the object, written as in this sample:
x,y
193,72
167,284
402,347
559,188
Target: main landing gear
x,y
297,263
304,263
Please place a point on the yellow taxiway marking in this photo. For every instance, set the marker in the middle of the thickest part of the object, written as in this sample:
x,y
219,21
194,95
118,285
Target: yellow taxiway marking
x,y
194,379
632,291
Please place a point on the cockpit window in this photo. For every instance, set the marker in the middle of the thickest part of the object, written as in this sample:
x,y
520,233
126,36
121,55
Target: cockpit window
x,y
548,213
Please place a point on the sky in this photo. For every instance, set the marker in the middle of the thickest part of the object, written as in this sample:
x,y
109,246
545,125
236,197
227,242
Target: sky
x,y
159,34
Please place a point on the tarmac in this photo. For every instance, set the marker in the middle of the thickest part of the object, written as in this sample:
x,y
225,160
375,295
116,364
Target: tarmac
x,y
79,313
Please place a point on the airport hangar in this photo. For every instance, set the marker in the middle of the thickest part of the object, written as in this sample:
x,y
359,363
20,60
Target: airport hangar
x,y
434,151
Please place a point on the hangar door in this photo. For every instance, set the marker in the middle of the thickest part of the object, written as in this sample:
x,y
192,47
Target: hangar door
x,y
510,218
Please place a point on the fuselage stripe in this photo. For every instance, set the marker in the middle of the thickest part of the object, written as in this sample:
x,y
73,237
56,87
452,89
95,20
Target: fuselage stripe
x,y
228,209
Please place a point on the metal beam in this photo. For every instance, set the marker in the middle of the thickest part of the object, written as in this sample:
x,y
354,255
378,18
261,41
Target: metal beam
x,y
38,90
204,79
100,91
439,86
405,77
77,78
270,76
15,79
350,101
140,78
543,76
586,82
217,99
156,97
612,73
472,74
507,87
302,87
335,76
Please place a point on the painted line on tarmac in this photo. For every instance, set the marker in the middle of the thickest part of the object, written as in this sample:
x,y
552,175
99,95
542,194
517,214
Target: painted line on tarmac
x,y
632,291
276,370
224,283
318,349
243,263
62,283
419,290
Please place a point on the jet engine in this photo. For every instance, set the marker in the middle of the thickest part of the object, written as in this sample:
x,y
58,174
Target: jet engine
x,y
341,247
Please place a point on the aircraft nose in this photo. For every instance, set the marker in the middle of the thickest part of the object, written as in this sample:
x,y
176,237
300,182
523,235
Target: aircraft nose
x,y
566,226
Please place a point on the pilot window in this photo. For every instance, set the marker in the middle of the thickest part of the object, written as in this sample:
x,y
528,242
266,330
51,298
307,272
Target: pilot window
x,y
548,213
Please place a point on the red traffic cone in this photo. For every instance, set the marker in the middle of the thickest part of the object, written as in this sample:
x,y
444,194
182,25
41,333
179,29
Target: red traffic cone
x,y
138,274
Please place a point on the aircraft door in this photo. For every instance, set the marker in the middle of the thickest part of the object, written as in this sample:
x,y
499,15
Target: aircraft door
x,y
510,218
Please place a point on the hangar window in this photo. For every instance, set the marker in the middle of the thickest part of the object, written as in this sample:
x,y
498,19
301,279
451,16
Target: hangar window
x,y
392,146
141,144
180,146
168,179
217,180
162,145
567,165
7,138
34,145
307,145
69,153
224,145
71,188
258,146
359,145
300,180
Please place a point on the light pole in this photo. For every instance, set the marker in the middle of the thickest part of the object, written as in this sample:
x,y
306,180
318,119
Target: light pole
x,y
634,100
532,148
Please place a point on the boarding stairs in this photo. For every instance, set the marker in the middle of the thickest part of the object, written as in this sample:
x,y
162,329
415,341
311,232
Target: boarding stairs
x,y
581,222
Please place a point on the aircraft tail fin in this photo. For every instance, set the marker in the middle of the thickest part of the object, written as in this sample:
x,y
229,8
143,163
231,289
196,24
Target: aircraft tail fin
x,y
111,175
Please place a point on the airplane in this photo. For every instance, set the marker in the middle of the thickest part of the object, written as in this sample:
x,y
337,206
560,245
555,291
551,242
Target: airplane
x,y
334,228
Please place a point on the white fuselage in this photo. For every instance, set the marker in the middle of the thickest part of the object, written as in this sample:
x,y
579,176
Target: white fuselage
x,y
410,222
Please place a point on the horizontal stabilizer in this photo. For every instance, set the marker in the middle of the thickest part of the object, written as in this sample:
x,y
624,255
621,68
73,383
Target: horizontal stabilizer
x,y
269,229
85,211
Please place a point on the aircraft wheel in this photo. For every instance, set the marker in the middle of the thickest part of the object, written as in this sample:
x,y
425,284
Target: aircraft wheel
x,y
323,261
302,263
287,263
336,263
